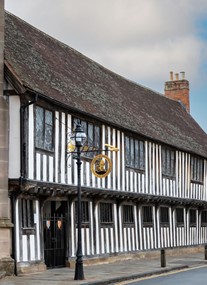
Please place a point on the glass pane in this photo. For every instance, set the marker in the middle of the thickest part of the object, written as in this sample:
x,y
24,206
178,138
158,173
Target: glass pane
x,y
90,134
137,155
97,137
168,162
180,216
39,127
127,154
84,127
48,118
142,155
132,152
75,122
164,215
147,214
48,137
106,213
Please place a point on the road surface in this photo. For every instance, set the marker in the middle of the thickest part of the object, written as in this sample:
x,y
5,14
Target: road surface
x,y
190,276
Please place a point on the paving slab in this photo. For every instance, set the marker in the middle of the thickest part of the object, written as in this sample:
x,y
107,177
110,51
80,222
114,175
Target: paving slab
x,y
110,273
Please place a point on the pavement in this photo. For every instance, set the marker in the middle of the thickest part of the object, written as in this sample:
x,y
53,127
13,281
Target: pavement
x,y
111,273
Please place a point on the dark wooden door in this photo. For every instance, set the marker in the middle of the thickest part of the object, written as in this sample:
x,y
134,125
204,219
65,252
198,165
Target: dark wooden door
x,y
54,240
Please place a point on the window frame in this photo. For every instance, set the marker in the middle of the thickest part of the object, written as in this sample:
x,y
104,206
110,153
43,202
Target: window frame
x,y
92,143
44,124
192,223
179,222
128,214
27,211
164,217
85,213
135,153
106,214
168,162
147,216
197,169
204,223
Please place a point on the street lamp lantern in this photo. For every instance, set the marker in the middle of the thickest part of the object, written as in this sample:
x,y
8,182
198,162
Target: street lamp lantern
x,y
79,137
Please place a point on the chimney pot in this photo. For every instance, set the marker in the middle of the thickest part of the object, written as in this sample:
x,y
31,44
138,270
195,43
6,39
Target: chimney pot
x,y
171,75
182,75
176,76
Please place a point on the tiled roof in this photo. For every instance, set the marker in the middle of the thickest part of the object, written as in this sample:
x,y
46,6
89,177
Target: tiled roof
x,y
59,72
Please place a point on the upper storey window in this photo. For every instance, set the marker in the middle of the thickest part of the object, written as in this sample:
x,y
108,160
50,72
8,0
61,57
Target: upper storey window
x,y
135,153
44,125
168,162
93,136
197,169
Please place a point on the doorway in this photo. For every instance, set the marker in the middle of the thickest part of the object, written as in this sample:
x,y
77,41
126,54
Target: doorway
x,y
54,225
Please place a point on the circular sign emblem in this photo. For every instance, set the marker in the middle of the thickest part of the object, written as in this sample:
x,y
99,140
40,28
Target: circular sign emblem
x,y
101,166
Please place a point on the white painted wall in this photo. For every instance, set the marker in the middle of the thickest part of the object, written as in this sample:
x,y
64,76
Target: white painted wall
x,y
14,137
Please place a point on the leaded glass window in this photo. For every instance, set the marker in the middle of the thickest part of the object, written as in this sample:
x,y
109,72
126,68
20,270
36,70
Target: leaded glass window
x,y
93,136
197,169
168,161
44,129
135,153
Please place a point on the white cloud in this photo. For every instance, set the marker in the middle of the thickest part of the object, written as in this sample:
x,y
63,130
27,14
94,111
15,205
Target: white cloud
x,y
141,40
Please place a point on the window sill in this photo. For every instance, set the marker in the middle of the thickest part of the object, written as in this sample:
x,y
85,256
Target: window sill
x,y
42,150
135,169
197,182
168,176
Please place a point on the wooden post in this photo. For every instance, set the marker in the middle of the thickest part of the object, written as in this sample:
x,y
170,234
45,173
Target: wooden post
x,y
162,258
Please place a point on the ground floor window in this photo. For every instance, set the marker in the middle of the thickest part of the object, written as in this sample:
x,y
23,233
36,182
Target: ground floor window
x,y
128,216
204,218
192,218
106,213
27,213
179,216
164,216
147,216
84,210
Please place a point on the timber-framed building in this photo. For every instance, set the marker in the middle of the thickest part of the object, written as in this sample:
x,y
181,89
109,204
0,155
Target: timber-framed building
x,y
156,194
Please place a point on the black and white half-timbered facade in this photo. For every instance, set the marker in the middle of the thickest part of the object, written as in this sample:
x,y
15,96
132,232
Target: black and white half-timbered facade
x,y
156,193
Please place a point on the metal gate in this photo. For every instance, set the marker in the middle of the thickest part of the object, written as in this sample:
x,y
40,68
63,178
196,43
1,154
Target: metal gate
x,y
54,241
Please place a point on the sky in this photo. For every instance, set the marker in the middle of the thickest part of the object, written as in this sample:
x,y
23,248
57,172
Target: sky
x,y
140,40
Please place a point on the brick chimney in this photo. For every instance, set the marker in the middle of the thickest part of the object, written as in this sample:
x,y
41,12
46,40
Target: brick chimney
x,y
178,89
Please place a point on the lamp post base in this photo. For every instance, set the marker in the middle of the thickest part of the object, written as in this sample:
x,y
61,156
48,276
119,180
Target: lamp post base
x,y
79,275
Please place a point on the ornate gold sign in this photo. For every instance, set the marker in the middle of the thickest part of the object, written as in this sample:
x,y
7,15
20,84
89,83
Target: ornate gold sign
x,y
101,166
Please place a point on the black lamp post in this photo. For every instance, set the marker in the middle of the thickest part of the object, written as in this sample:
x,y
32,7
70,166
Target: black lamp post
x,y
79,137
